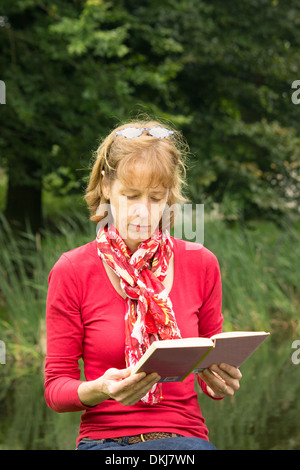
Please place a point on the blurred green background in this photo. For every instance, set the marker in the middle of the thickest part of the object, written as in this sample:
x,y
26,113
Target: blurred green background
x,y
220,72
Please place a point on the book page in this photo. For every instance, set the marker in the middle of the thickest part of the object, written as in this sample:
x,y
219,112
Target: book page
x,y
233,350
172,362
234,334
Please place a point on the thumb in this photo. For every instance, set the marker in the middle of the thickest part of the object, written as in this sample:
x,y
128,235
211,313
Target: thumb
x,y
126,371
118,374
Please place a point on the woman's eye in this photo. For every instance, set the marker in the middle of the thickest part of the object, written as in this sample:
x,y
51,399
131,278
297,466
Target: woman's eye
x,y
133,197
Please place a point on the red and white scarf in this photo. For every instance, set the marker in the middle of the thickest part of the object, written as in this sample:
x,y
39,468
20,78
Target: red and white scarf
x,y
149,313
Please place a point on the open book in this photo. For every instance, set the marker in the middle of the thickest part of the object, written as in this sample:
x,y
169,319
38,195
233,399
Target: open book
x,y
175,359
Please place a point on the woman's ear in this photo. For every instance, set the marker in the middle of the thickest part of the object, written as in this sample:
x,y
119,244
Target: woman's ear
x,y
104,186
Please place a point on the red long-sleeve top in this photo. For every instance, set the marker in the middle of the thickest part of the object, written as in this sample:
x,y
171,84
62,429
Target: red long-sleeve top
x,y
85,319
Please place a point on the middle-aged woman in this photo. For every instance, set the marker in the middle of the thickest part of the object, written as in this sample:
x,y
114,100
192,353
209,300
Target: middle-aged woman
x,y
134,283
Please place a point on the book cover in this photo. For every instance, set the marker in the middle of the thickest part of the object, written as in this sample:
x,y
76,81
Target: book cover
x,y
175,359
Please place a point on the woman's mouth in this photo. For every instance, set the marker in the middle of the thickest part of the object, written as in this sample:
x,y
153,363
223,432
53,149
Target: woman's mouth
x,y
140,228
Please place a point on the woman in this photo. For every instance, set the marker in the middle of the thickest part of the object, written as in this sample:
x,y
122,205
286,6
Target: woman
x,y
109,299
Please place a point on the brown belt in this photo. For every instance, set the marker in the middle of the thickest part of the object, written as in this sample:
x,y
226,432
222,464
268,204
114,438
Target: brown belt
x,y
150,436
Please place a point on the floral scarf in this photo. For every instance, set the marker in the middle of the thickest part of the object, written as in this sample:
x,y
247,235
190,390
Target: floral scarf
x,y
149,313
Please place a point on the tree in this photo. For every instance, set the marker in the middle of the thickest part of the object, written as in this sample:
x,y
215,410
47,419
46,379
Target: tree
x,y
239,61
219,71
47,99
72,71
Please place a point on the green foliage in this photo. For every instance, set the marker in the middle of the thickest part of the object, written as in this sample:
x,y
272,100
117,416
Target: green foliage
x,y
238,69
61,182
263,414
219,71
260,291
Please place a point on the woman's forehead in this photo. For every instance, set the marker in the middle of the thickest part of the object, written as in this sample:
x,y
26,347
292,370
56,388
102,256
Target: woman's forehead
x,y
141,181
145,171
140,186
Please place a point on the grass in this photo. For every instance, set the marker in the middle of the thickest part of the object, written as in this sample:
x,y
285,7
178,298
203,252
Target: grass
x,y
260,291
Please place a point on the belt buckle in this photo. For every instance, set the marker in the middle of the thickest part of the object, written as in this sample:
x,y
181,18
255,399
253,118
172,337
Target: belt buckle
x,y
142,438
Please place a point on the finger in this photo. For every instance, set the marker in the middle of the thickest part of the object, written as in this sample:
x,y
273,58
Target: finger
x,y
130,384
231,370
131,391
140,379
144,385
117,380
231,376
117,374
216,383
137,384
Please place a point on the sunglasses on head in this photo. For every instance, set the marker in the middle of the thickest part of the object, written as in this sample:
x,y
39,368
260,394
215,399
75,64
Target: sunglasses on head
x,y
132,132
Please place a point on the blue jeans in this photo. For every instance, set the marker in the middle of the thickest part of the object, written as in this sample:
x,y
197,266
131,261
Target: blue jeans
x,y
170,443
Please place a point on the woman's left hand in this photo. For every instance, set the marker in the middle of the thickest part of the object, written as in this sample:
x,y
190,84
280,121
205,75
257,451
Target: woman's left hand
x,y
222,380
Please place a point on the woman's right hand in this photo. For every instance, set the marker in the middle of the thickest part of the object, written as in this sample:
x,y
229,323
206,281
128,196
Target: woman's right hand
x,y
117,384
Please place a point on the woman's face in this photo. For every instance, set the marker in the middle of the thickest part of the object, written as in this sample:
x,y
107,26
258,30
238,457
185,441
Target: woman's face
x,y
136,210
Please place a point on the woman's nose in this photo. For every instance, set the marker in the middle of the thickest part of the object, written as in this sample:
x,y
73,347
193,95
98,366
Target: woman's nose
x,y
142,210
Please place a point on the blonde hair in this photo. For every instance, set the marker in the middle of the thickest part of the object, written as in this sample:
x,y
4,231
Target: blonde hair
x,y
161,161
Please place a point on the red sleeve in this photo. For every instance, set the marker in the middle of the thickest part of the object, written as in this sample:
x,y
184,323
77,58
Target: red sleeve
x,y
210,313
64,339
